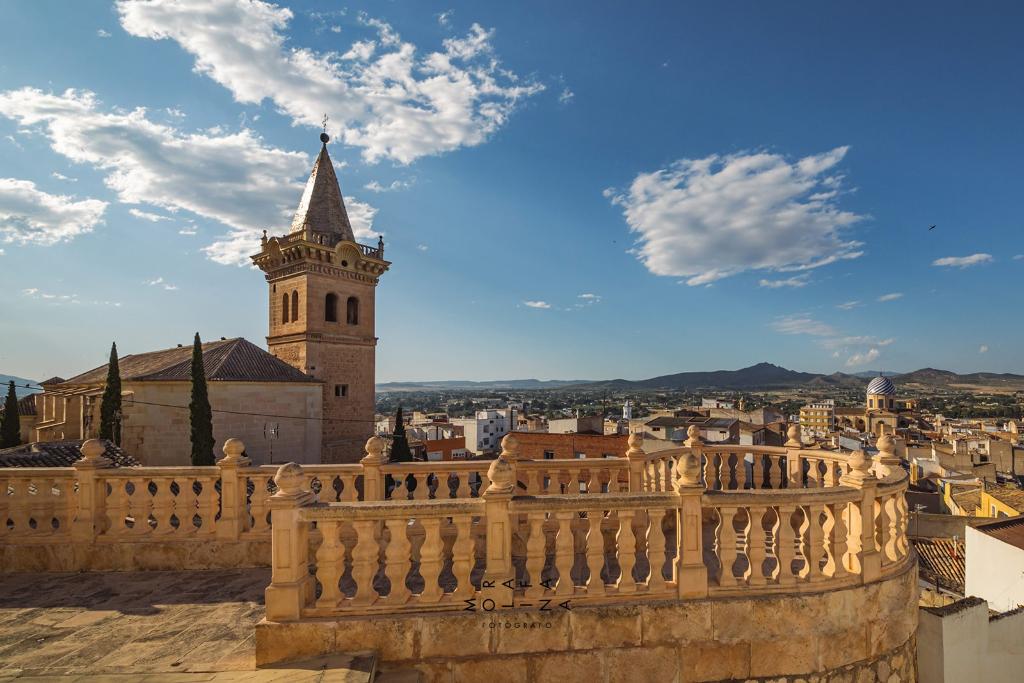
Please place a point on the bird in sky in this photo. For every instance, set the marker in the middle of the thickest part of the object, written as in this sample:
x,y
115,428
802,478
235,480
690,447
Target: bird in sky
x,y
932,227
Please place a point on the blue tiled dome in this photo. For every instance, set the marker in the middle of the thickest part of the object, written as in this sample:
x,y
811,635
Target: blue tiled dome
x,y
882,386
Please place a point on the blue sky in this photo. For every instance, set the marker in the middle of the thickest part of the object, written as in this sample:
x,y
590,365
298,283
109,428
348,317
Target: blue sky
x,y
566,190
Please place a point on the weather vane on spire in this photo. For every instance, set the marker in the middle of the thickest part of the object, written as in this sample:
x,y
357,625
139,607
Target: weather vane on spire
x,y
324,137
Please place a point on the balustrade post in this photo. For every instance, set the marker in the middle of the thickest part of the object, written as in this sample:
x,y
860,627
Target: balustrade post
x,y
636,457
886,461
863,556
291,587
690,573
234,514
373,480
794,464
497,497
90,515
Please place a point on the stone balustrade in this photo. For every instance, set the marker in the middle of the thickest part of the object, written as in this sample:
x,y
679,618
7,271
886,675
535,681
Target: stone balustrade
x,y
803,521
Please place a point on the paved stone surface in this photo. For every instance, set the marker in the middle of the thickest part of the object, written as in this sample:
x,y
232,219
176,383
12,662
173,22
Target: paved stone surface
x,y
130,623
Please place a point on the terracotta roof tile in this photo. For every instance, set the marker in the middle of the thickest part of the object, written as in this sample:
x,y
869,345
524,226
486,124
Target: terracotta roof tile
x,y
1009,530
27,405
942,558
229,360
59,454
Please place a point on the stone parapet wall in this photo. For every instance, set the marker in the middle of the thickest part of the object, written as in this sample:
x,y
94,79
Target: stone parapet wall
x,y
126,556
863,633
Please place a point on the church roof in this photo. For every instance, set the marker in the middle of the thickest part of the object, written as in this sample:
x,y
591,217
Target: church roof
x,y
60,454
322,208
882,386
227,360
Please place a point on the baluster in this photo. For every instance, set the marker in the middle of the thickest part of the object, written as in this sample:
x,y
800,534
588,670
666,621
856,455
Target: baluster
x,y
756,546
626,550
209,505
741,471
836,540
613,482
785,545
901,526
887,522
364,562
185,505
595,553
564,553
330,564
709,470
656,550
36,508
815,544
535,555
348,491
463,490
163,505
398,562
462,555
727,545
422,491
430,559
117,508
593,480
775,473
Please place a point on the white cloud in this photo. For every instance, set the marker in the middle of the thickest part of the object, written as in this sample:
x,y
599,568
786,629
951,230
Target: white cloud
x,y
797,281
589,296
374,186
61,176
233,178
983,348
863,349
706,219
537,304
858,359
29,215
188,230
2,252
422,247
1018,257
565,97
60,299
963,261
175,112
445,18
849,305
892,296
381,95
147,216
102,33
160,282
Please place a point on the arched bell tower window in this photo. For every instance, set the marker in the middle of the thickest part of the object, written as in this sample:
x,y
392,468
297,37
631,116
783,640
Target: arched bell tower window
x,y
352,311
284,308
295,305
331,308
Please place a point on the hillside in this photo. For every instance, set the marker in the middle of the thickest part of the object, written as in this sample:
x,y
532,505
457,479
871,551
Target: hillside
x,y
760,376
19,390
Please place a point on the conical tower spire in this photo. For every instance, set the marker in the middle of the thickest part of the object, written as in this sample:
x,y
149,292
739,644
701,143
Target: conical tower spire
x,y
322,211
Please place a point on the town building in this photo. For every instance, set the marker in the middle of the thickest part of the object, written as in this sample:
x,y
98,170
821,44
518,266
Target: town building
x,y
255,396
483,431
818,419
541,446
593,424
321,287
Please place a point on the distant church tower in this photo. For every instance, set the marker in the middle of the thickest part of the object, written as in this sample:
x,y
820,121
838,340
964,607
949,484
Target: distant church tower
x,y
321,287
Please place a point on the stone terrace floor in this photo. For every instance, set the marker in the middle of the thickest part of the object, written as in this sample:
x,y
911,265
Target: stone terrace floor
x,y
143,626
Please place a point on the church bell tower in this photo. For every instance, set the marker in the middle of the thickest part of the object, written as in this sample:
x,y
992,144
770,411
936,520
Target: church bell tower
x,y
321,286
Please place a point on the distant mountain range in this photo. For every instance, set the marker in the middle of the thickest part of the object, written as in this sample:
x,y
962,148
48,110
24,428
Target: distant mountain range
x,y
763,376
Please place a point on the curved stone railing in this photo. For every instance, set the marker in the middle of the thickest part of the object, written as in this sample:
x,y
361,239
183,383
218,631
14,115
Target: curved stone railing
x,y
811,529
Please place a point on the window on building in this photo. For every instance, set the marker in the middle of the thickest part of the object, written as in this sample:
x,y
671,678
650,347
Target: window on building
x,y
352,311
331,308
341,390
549,455
295,305
284,309
579,456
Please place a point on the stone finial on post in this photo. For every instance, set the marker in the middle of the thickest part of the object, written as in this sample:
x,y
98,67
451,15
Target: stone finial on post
x,y
497,497
691,574
234,515
373,481
291,587
90,517
886,461
636,457
862,556
793,439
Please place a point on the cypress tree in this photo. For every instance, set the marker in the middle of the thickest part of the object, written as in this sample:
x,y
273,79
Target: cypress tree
x,y
110,404
399,443
200,413
10,431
